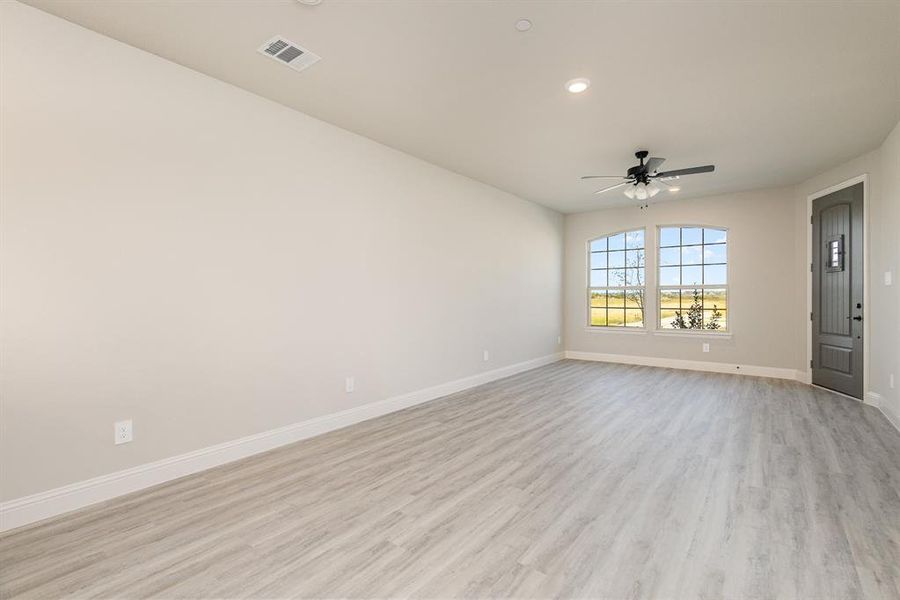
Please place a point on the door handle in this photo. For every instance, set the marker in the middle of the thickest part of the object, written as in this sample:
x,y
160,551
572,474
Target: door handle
x,y
857,318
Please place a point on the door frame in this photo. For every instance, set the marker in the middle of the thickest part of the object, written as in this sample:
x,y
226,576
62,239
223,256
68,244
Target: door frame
x,y
864,179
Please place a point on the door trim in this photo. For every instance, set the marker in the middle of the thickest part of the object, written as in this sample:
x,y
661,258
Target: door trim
x,y
864,179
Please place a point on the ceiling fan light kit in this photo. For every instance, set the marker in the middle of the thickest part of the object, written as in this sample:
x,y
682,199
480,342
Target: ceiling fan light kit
x,y
642,191
642,181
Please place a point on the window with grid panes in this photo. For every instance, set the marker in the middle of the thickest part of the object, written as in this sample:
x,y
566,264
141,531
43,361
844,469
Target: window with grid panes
x,y
616,288
693,278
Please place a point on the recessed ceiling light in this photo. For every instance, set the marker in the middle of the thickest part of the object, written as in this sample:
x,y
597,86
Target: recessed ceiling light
x,y
674,189
310,2
523,25
576,86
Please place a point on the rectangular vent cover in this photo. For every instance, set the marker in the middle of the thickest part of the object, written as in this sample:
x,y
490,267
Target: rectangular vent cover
x,y
293,55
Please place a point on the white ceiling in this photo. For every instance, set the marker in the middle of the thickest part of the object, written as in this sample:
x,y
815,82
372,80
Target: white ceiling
x,y
772,93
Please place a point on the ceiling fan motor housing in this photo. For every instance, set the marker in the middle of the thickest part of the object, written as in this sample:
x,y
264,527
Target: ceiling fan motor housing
x,y
639,172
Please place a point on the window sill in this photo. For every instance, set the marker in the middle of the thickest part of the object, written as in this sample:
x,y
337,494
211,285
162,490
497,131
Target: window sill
x,y
629,330
688,333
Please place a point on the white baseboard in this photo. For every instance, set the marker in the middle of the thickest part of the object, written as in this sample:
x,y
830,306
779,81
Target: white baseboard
x,y
872,399
690,365
877,400
804,376
29,509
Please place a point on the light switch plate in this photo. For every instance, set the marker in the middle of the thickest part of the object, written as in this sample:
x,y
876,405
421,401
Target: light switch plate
x,y
888,278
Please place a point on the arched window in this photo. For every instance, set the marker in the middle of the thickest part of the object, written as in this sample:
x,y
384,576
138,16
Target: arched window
x,y
693,278
616,280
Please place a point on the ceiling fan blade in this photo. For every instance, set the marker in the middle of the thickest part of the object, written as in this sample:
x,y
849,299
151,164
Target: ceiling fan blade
x,y
690,171
612,187
653,163
602,177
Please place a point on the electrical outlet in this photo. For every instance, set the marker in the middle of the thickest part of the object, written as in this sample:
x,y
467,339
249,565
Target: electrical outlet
x,y
122,432
706,347
558,340
487,356
891,380
350,384
888,278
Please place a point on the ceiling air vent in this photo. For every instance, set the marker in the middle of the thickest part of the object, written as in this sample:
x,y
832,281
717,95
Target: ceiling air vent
x,y
293,55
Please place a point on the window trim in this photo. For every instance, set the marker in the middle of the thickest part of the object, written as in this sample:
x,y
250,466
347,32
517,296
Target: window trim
x,y
607,328
660,288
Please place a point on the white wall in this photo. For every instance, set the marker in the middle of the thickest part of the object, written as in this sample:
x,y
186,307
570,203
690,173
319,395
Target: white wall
x,y
211,264
761,254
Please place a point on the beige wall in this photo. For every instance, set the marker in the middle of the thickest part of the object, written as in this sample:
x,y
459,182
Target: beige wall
x,y
212,264
761,255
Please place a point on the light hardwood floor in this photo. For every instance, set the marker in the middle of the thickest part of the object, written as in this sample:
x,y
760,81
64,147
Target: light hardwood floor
x,y
573,480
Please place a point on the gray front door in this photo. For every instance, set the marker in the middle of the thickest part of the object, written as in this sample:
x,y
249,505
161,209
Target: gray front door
x,y
837,291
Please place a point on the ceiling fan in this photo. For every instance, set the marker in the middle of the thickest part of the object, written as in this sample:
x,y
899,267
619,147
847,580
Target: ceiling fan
x,y
640,181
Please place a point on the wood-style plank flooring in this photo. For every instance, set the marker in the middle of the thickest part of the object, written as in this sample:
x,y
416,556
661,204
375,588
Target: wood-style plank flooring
x,y
577,479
